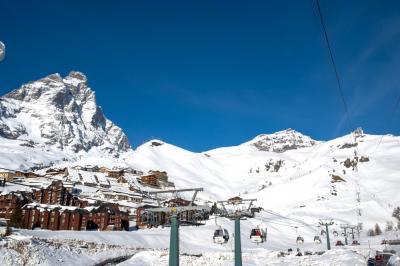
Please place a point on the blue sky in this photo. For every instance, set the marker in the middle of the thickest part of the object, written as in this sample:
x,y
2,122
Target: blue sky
x,y
204,74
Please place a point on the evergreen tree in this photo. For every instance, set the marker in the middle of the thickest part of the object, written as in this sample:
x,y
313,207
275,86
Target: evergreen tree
x,y
389,226
396,213
378,230
371,232
16,218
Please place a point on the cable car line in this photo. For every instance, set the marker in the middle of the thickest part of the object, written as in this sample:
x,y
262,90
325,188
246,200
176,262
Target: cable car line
x,y
291,219
278,223
334,65
396,106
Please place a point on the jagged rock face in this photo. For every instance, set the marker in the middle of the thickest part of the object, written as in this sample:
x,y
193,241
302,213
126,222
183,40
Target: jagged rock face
x,y
282,141
61,112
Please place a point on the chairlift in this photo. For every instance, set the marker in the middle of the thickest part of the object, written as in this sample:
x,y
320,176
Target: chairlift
x,y
317,240
335,233
258,235
300,240
221,236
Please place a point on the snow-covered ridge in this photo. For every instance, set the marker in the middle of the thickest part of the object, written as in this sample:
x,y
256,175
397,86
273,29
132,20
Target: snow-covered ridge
x,y
282,141
60,113
55,121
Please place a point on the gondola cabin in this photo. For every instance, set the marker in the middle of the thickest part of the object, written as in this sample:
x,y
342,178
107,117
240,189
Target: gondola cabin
x,y
317,240
258,235
300,240
221,236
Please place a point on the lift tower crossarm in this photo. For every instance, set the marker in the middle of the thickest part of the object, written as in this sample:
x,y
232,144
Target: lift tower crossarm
x,y
251,203
241,201
176,190
179,209
193,198
237,216
174,212
196,190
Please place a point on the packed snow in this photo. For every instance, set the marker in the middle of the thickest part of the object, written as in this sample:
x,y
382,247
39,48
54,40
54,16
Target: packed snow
x,y
55,122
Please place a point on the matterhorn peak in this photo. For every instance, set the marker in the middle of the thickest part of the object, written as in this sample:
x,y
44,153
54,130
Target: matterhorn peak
x,y
77,75
62,113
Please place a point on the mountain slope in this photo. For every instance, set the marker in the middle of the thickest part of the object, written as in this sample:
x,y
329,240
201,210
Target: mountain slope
x,y
354,178
57,117
313,182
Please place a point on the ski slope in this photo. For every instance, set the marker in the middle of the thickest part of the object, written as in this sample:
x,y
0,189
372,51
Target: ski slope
x,y
302,187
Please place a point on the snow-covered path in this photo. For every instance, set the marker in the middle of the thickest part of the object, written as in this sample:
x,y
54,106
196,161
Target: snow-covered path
x,y
197,248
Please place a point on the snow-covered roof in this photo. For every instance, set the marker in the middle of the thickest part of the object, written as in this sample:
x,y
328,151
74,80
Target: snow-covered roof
x,y
43,207
3,170
11,187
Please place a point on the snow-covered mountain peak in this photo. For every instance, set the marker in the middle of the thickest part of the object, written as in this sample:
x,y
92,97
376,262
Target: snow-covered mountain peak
x,y
282,141
53,88
75,77
61,113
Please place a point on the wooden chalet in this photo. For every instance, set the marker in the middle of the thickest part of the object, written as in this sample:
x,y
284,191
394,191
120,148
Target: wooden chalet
x,y
115,173
155,179
27,174
149,180
103,169
7,175
55,193
161,175
57,171
235,200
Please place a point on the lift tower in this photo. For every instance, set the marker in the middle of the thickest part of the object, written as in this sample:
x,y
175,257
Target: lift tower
x,y
174,213
237,214
327,223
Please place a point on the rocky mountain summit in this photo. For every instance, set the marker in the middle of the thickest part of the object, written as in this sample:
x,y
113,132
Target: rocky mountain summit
x,y
282,141
61,113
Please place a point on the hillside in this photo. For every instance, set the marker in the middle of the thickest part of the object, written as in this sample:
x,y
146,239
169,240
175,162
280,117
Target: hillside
x,y
56,122
309,183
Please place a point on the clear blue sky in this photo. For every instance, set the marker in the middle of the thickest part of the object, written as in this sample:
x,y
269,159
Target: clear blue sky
x,y
203,74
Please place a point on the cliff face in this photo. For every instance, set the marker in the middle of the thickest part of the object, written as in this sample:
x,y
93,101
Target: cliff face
x,y
61,113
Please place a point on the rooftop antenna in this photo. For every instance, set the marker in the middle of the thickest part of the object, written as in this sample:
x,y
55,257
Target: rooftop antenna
x,y
2,51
